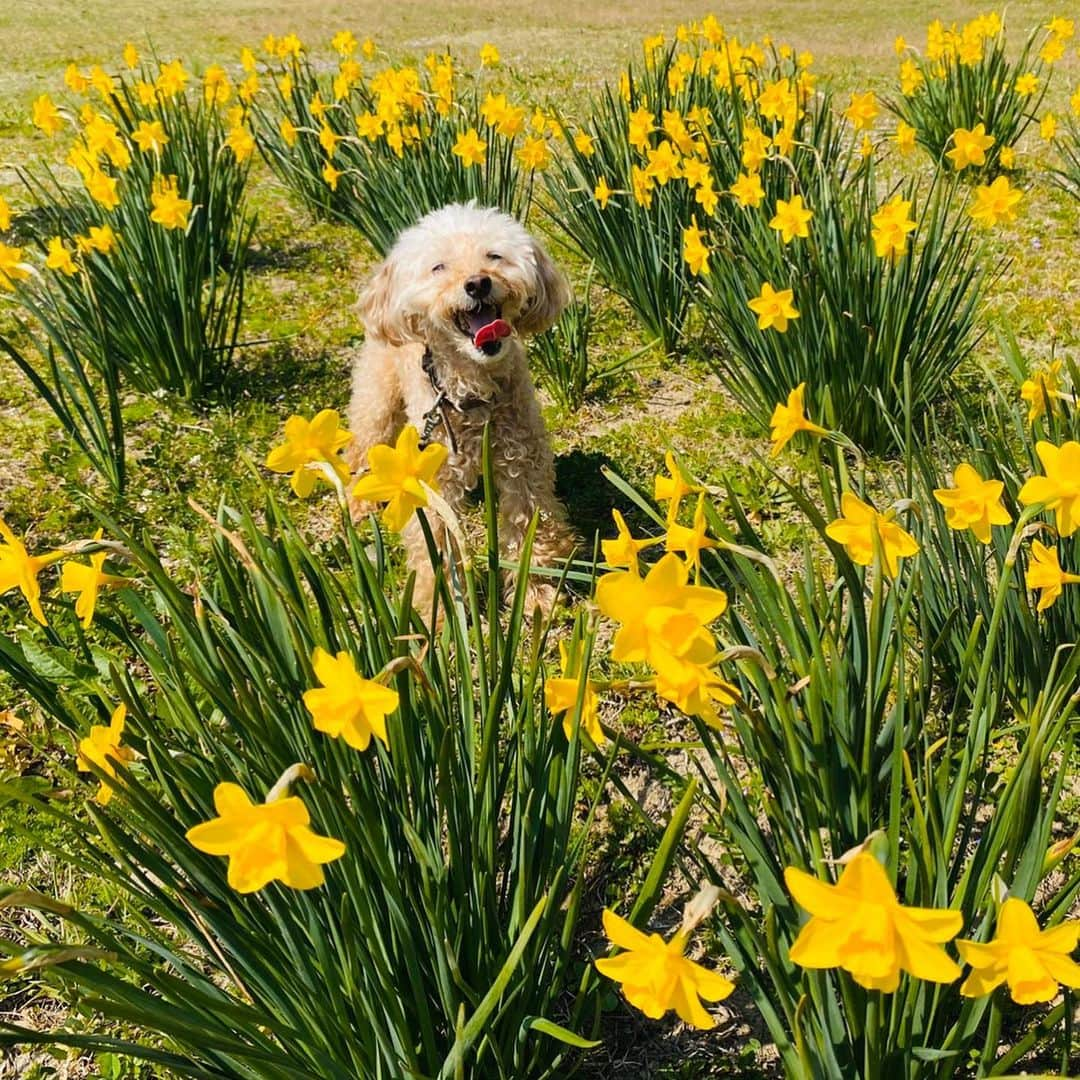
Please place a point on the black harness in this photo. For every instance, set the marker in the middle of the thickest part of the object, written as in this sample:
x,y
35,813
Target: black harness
x,y
439,413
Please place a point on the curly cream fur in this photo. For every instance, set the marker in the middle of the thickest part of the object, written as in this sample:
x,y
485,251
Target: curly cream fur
x,y
410,304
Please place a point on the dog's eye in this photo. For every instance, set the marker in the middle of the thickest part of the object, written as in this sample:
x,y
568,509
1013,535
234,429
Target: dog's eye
x,y
438,268
494,256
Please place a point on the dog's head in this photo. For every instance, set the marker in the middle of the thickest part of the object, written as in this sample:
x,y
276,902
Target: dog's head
x,y
465,278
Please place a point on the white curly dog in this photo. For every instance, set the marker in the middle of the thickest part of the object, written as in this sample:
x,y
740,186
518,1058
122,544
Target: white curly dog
x,y
445,314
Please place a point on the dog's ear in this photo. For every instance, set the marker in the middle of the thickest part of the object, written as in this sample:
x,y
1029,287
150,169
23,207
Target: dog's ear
x,y
380,308
548,297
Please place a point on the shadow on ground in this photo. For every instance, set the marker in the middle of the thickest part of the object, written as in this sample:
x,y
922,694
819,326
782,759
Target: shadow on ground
x,y
589,498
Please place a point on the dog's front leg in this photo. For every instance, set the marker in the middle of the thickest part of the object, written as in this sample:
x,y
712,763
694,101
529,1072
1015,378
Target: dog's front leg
x,y
422,561
524,469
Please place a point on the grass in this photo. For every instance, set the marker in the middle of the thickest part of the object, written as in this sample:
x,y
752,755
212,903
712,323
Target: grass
x,y
304,277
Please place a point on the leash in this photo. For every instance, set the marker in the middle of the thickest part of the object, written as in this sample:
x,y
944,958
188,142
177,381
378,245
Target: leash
x,y
439,413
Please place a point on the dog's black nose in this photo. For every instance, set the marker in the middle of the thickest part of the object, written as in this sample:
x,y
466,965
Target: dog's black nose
x,y
478,287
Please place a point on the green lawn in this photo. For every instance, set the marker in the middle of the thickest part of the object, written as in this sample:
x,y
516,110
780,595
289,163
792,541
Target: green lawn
x,y
305,275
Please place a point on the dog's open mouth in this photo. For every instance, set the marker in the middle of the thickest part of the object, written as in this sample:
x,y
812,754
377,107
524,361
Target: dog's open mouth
x,y
484,324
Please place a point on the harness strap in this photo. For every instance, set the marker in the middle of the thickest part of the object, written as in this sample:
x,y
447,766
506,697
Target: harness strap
x,y
439,413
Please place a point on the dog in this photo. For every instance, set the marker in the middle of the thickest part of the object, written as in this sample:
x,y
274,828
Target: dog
x,y
445,317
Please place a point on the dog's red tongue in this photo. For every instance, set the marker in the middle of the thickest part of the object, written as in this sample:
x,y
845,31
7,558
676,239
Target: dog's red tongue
x,y
492,331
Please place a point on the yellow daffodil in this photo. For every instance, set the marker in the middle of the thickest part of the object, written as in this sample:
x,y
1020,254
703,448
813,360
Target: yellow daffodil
x,y
583,143
623,550
288,131
170,210
773,309
331,176
328,139
1059,489
489,55
995,203
102,749
642,185
1007,158
789,419
102,82
561,695
695,250
776,100
1048,127
1044,574
344,43
706,197
747,189
470,148
308,442
656,976
642,122
1033,962
347,705
973,503
911,78
534,153
88,581
75,80
1026,84
100,238
12,267
859,925
45,115
601,193
288,46
673,487
398,474
172,78
368,126
792,219
507,120
969,147
663,163
217,89
247,89
146,92
905,138
692,540
265,842
855,530
755,148
695,172
891,225
150,136
58,257
1061,28
862,111
683,654
130,55
1042,389
19,570
241,142
639,605
5,215
1052,51
784,141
